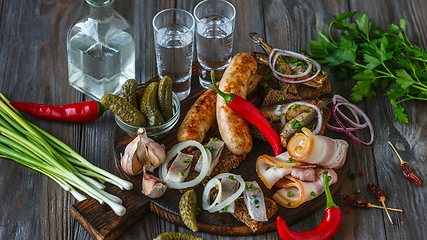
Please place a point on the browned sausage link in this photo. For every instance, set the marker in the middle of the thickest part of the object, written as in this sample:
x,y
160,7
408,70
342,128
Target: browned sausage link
x,y
201,115
411,175
233,128
355,201
376,191
199,118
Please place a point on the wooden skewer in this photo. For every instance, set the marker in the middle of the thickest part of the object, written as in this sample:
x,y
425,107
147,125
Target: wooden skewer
x,y
391,209
383,200
376,191
401,160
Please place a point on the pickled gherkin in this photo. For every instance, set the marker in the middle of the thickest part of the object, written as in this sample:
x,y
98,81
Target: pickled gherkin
x,y
176,236
187,209
128,91
165,97
122,108
149,106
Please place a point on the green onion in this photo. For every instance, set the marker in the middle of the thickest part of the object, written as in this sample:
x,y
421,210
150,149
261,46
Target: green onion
x,y
33,147
186,160
209,148
264,84
266,169
289,194
181,173
291,160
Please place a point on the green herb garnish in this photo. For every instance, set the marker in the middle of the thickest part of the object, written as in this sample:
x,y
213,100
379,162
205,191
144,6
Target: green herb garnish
x,y
379,59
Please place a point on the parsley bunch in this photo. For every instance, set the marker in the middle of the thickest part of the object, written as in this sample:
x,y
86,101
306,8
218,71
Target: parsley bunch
x,y
378,58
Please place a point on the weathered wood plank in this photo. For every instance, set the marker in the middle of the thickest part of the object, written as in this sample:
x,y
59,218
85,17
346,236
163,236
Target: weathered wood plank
x,y
33,68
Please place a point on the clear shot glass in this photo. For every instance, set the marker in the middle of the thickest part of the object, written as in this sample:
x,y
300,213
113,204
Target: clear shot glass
x,y
174,37
215,20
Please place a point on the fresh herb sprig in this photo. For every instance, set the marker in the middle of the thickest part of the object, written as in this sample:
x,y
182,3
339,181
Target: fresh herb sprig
x,y
378,58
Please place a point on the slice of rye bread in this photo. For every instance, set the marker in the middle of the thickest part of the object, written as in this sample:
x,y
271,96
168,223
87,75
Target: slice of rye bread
x,y
304,92
326,114
227,161
242,214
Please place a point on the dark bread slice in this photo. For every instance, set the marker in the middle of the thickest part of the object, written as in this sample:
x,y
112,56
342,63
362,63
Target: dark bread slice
x,y
304,92
242,214
227,161
326,113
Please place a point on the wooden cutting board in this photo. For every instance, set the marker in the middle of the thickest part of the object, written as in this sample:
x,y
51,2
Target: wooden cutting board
x,y
102,223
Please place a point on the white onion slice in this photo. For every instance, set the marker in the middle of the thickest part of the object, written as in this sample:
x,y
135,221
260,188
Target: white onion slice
x,y
206,192
206,162
274,55
318,111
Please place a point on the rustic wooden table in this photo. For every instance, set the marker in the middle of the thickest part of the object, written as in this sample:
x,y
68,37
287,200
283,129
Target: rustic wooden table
x,y
33,67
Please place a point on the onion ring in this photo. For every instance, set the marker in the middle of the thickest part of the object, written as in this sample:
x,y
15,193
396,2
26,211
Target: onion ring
x,y
206,163
274,55
206,192
371,130
315,107
356,125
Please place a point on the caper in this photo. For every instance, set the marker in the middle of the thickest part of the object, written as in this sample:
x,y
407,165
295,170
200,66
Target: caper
x,y
187,209
149,106
122,108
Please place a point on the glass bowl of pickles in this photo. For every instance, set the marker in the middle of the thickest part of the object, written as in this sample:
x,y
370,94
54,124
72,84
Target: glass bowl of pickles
x,y
157,108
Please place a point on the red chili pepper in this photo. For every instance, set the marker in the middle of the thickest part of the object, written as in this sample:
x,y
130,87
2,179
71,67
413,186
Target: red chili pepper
x,y
75,112
325,230
251,113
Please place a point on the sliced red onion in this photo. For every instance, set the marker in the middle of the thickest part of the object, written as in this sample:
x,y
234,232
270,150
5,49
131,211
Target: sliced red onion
x,y
318,111
356,125
274,55
338,101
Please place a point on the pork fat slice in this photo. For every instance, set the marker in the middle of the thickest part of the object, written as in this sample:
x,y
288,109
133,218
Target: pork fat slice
x,y
254,200
179,169
229,187
217,146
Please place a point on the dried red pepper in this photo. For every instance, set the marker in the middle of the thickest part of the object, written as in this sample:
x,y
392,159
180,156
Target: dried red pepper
x,y
75,112
362,203
411,175
325,230
376,191
406,170
251,113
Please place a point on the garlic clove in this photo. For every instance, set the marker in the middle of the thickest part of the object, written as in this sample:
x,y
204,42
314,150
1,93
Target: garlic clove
x,y
129,162
152,186
156,153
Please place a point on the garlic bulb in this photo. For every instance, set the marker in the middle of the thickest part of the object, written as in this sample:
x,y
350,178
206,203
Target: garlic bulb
x,y
142,153
130,162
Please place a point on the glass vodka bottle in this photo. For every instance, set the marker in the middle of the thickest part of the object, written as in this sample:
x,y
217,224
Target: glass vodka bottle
x,y
101,51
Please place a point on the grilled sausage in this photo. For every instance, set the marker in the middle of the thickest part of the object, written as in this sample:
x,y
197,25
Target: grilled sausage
x,y
199,118
233,128
202,114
